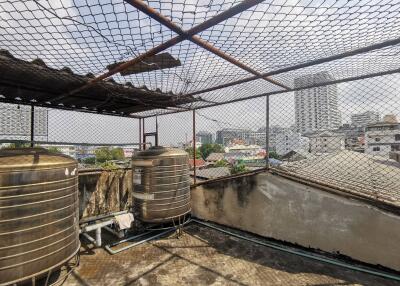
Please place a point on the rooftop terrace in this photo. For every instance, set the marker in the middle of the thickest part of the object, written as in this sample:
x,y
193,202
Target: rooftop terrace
x,y
203,256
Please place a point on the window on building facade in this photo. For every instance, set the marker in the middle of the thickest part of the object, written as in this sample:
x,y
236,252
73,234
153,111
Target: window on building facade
x,y
395,147
376,149
397,137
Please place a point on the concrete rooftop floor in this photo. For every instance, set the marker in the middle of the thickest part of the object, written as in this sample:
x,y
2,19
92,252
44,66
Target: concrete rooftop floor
x,y
203,256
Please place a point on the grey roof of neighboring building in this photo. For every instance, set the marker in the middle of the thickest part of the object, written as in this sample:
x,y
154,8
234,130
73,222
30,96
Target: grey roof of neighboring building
x,y
215,157
362,174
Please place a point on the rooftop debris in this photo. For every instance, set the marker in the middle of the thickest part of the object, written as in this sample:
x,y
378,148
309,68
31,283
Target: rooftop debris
x,y
152,63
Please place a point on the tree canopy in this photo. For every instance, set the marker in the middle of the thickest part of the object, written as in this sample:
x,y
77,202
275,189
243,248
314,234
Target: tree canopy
x,y
105,154
190,151
207,149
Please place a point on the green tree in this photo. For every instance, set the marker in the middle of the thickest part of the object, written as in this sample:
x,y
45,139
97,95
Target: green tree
x,y
89,160
207,149
17,145
221,163
239,167
54,150
274,155
190,151
109,166
117,153
103,154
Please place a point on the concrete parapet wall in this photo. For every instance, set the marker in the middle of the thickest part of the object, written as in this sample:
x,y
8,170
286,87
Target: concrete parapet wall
x,y
276,207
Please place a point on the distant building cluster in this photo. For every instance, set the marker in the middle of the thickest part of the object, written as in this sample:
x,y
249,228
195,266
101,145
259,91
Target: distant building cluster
x,y
318,128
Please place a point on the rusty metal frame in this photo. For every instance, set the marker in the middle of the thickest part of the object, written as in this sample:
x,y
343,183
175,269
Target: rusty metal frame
x,y
194,145
303,65
154,14
242,6
191,36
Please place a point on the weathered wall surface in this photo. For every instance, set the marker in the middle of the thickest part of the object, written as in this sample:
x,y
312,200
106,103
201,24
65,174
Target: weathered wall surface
x,y
103,192
272,206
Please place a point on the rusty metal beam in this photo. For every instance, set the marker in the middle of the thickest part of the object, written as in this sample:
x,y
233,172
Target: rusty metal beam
x,y
246,4
154,14
304,65
194,145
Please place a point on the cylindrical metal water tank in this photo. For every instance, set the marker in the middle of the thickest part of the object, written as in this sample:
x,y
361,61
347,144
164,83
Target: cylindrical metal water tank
x,y
161,184
39,223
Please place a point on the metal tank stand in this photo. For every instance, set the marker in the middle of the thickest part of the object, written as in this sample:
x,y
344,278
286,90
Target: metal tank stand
x,y
150,234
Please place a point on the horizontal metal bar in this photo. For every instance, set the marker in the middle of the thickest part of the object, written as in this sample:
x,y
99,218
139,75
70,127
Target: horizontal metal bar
x,y
73,144
303,65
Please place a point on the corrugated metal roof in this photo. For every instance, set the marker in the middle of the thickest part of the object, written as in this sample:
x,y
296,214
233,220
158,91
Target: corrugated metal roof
x,y
372,176
25,82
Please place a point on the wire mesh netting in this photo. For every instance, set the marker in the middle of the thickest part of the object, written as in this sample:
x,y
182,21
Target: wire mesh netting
x,y
80,135
308,87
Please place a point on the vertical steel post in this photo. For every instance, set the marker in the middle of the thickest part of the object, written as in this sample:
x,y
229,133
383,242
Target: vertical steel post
x,y
144,135
32,125
267,132
194,146
156,137
140,134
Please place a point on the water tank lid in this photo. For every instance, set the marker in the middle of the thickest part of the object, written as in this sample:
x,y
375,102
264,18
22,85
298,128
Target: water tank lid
x,y
159,151
14,158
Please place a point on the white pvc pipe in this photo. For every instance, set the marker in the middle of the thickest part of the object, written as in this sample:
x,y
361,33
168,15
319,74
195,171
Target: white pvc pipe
x,y
108,247
88,237
98,237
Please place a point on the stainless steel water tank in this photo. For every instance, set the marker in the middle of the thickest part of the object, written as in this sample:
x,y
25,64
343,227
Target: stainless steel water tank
x,y
39,225
161,184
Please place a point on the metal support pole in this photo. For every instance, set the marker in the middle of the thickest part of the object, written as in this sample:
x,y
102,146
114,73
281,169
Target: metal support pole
x,y
32,125
194,146
140,134
144,135
267,131
156,137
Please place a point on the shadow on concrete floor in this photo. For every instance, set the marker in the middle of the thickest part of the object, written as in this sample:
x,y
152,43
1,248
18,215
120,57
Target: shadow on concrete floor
x,y
203,256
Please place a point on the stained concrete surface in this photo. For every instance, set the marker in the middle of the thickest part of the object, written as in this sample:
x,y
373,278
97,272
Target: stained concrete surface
x,y
104,191
273,206
203,256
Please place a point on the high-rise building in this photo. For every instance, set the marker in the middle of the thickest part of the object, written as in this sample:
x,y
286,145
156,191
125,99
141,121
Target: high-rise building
x,y
365,118
316,108
204,137
16,122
